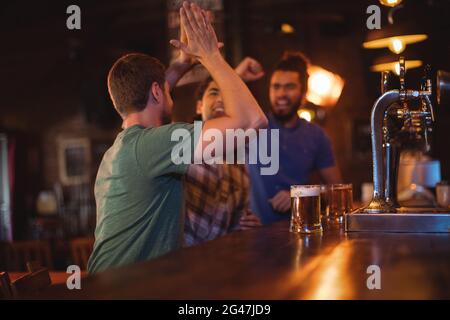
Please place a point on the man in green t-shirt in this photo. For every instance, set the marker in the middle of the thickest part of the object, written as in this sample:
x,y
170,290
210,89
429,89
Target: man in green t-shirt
x,y
139,190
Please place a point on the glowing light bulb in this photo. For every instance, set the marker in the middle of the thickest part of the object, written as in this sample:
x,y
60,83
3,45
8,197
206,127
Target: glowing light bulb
x,y
305,114
287,28
397,68
390,3
321,83
397,46
324,87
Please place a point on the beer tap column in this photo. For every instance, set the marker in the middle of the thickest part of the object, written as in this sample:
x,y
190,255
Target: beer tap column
x,y
385,154
379,203
382,186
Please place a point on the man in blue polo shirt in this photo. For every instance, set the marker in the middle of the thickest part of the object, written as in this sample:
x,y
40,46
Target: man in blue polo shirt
x,y
304,147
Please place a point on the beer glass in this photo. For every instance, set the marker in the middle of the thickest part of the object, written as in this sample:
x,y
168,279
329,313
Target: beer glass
x,y
341,202
305,209
325,193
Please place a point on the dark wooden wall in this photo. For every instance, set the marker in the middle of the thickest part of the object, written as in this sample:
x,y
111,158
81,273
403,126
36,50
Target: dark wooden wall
x,y
53,81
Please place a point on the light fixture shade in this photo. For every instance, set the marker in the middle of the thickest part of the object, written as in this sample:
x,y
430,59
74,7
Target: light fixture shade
x,y
395,37
394,66
389,62
390,3
396,44
324,87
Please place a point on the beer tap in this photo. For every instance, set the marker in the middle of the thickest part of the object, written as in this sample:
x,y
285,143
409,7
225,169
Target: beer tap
x,y
400,119
392,120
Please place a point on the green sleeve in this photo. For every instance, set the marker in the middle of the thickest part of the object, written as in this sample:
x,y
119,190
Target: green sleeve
x,y
165,150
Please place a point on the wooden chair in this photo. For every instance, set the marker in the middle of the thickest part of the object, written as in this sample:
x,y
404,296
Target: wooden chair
x,y
5,286
17,254
81,249
31,283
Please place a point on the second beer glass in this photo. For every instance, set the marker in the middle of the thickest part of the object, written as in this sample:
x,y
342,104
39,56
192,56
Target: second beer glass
x,y
341,202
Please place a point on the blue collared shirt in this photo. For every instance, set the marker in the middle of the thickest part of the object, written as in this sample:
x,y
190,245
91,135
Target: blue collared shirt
x,y
303,149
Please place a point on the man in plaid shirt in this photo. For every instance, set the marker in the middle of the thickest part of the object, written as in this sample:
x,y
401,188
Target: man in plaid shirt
x,y
217,196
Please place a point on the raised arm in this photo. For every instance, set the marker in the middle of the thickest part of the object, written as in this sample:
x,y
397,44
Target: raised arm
x,y
249,70
181,65
184,62
241,109
176,71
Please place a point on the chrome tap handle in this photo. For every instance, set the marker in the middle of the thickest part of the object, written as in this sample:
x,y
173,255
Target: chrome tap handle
x,y
430,106
427,91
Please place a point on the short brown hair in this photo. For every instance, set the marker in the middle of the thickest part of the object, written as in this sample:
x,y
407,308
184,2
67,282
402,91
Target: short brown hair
x,y
130,80
295,61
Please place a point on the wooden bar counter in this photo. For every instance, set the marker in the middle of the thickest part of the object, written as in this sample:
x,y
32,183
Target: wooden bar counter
x,y
272,263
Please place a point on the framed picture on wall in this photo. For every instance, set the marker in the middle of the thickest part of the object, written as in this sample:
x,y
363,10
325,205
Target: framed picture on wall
x,y
74,160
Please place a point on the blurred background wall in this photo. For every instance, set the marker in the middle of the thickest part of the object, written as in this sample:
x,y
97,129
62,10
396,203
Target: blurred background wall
x,y
53,83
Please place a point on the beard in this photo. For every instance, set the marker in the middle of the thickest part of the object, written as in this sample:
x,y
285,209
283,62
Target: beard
x,y
287,112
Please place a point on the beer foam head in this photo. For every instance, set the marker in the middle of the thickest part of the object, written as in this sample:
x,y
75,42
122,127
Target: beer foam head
x,y
304,191
342,186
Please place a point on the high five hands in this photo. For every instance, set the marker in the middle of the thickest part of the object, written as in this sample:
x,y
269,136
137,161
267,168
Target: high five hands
x,y
197,37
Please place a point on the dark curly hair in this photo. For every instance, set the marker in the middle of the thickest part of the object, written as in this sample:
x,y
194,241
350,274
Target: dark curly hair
x,y
295,61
